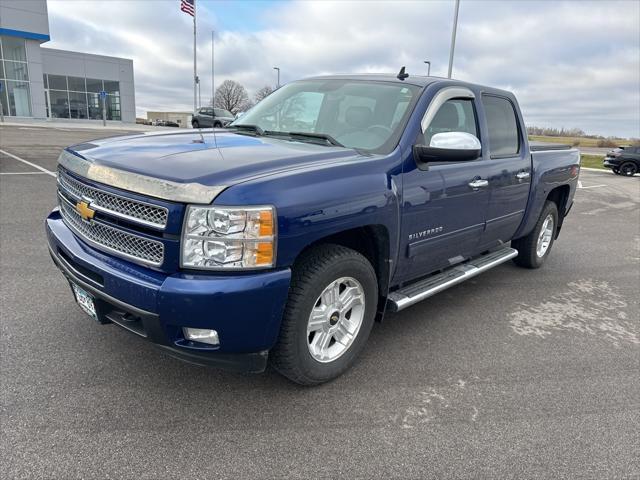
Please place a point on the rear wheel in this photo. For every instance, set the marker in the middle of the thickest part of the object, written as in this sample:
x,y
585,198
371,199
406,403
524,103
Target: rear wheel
x,y
195,124
534,249
328,316
628,169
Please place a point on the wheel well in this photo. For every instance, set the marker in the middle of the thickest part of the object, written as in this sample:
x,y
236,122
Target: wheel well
x,y
372,242
560,196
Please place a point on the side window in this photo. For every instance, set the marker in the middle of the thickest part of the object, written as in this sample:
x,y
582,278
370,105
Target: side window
x,y
455,115
502,124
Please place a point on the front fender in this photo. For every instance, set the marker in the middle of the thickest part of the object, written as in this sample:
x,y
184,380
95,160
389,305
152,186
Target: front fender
x,y
319,202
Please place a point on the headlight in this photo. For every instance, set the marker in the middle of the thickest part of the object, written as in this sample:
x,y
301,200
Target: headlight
x,y
218,238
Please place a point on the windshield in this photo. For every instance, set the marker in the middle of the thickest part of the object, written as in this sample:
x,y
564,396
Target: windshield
x,y
356,114
220,112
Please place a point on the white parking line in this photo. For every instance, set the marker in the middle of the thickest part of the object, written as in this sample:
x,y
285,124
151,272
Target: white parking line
x,y
590,186
23,173
38,167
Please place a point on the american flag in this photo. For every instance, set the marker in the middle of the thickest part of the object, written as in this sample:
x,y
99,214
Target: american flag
x,y
188,6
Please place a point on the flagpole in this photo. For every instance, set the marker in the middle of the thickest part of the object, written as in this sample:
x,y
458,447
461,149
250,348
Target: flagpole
x,y
213,82
195,71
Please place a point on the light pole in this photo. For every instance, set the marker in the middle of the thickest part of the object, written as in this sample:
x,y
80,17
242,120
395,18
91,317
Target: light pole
x,y
428,67
213,78
453,37
278,84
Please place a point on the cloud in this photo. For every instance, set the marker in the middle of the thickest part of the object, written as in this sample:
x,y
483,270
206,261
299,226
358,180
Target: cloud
x,y
572,64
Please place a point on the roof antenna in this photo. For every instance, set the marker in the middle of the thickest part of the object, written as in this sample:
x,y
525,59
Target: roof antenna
x,y
402,75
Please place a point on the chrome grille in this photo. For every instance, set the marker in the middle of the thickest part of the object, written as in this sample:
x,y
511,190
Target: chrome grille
x,y
105,237
132,210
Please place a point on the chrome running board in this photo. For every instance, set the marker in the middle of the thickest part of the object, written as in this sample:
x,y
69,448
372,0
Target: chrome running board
x,y
416,292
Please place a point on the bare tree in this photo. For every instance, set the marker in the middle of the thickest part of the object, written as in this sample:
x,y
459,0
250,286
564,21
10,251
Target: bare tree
x,y
231,96
263,93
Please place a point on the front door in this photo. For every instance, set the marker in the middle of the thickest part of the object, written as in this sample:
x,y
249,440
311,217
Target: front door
x,y
509,171
444,203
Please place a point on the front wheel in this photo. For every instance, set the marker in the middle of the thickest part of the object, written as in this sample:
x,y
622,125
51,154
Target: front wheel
x,y
534,249
328,316
195,124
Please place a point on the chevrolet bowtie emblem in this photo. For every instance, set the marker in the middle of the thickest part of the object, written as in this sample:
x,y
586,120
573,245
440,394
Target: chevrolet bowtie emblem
x,y
85,212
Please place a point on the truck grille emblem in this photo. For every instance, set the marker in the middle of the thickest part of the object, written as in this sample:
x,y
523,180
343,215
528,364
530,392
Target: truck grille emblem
x,y
85,212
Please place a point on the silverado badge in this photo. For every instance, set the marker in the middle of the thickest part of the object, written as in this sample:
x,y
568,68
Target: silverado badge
x,y
85,212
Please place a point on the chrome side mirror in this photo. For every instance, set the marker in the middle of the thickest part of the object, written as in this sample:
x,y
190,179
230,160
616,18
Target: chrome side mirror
x,y
449,147
455,141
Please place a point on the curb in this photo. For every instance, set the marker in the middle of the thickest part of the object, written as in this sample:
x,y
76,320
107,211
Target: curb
x,y
601,170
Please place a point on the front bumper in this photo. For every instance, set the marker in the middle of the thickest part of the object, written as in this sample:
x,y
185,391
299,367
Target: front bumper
x,y
245,309
607,163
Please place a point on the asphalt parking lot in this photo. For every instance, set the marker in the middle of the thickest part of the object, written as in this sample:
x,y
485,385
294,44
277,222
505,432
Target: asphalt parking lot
x,y
515,373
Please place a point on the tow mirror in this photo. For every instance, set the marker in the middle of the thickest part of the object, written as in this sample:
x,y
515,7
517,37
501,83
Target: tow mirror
x,y
449,147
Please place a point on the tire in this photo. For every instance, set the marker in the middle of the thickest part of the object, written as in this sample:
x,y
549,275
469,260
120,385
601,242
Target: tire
x,y
530,247
195,124
297,355
628,169
217,125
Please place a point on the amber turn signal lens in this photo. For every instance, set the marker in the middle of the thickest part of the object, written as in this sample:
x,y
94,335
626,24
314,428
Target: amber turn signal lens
x,y
266,223
264,254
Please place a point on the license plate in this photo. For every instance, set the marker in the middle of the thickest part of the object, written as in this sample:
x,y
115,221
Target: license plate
x,y
85,300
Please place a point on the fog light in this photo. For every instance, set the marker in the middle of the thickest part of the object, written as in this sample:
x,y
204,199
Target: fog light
x,y
202,335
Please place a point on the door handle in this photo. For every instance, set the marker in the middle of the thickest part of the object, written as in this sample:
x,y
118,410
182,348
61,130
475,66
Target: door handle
x,y
479,183
522,175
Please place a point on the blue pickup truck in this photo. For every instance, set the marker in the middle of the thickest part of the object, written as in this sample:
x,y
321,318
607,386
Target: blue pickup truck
x,y
281,239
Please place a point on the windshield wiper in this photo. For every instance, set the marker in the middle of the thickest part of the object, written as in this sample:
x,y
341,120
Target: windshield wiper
x,y
313,136
250,128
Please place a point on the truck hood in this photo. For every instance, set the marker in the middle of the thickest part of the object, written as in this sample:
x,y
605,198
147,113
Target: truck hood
x,y
212,158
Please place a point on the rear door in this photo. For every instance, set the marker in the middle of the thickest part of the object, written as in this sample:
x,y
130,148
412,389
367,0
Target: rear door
x,y
508,170
443,213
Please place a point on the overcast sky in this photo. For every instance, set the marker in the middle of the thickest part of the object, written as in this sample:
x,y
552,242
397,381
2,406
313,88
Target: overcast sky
x,y
571,63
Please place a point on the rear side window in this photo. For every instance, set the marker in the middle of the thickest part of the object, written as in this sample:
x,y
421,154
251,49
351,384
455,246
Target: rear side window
x,y
504,140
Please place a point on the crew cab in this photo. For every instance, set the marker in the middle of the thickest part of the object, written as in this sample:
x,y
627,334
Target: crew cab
x,y
284,237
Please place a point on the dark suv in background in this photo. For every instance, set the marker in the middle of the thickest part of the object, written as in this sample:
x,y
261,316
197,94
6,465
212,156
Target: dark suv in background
x,y
207,117
623,161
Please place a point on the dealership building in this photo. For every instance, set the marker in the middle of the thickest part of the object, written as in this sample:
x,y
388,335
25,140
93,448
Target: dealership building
x,y
44,83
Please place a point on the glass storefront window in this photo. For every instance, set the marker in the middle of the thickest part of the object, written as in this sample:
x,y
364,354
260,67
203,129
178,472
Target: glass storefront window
x,y
14,75
95,106
112,88
76,84
58,82
59,103
14,49
16,71
78,105
19,99
3,102
113,107
94,85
